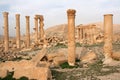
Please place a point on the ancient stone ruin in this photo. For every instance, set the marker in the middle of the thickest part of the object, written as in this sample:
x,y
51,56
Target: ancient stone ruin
x,y
38,65
71,36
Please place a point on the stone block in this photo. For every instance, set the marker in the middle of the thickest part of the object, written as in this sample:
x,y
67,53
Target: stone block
x,y
37,73
59,60
89,57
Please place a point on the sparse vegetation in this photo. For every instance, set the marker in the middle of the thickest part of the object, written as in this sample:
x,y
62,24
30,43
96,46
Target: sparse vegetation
x,y
66,65
78,44
60,45
90,73
10,77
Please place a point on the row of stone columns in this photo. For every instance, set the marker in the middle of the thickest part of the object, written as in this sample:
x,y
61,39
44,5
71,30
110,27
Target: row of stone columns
x,y
40,34
86,33
108,32
6,30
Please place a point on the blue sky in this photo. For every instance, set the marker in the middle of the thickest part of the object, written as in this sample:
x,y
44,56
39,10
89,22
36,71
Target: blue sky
x,y
54,11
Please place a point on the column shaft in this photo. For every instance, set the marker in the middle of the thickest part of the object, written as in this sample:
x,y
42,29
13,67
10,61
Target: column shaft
x,y
36,28
41,27
6,31
27,32
71,36
18,30
78,33
108,34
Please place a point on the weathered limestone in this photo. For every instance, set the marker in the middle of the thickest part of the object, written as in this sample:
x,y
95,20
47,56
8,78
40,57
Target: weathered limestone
x,y
27,32
108,34
27,68
79,34
18,30
6,31
89,57
41,27
36,28
71,36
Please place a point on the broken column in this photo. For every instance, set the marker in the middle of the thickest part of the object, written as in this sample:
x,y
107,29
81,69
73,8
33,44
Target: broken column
x,y
108,34
36,28
27,32
71,36
6,31
18,30
41,27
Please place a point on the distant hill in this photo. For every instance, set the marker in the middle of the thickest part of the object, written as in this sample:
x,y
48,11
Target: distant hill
x,y
57,30
61,30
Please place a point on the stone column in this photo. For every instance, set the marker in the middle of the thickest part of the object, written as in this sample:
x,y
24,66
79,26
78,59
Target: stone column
x,y
6,31
41,27
83,33
71,36
91,35
18,30
108,36
78,33
36,28
27,32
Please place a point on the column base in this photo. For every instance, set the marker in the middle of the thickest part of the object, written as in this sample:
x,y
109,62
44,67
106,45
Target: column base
x,y
111,62
71,64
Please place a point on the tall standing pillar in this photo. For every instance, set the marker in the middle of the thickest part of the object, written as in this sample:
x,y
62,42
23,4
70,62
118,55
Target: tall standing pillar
x,y
108,36
6,31
27,32
36,28
71,36
41,27
18,30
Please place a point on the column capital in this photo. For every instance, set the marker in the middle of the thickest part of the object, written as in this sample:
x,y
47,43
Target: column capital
x,y
17,15
108,14
41,18
27,16
5,13
71,12
35,17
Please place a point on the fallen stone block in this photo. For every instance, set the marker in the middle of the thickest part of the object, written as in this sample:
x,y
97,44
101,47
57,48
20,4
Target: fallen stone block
x,y
36,73
116,55
3,73
89,57
51,56
59,60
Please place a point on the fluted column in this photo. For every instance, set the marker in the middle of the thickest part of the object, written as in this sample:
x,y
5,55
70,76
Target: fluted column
x,y
108,35
27,32
18,30
6,31
36,28
71,36
41,27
